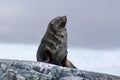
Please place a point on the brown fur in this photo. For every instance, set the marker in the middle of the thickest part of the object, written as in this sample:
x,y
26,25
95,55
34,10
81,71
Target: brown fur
x,y
53,47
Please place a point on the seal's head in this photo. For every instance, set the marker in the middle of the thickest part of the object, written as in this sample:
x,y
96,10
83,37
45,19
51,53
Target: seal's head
x,y
59,22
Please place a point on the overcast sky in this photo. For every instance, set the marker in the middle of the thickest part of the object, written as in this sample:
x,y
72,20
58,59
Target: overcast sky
x,y
93,24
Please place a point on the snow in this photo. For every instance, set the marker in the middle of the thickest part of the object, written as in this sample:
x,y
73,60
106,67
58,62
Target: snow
x,y
104,61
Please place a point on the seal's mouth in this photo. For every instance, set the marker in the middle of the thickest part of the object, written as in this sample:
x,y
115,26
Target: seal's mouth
x,y
59,21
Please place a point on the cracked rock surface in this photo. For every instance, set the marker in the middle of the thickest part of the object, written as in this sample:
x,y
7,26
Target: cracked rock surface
x,y
29,70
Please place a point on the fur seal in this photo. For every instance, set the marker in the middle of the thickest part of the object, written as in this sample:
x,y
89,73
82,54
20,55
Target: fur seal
x,y
53,47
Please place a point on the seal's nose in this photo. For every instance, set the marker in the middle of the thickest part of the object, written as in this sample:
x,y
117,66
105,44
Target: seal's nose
x,y
64,18
63,21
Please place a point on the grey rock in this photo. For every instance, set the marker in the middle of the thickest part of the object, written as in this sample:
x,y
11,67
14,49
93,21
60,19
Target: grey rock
x,y
29,70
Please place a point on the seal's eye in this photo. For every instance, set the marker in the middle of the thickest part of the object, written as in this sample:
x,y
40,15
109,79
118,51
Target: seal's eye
x,y
47,56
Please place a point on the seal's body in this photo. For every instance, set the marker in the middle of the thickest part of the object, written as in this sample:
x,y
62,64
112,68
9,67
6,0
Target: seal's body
x,y
53,47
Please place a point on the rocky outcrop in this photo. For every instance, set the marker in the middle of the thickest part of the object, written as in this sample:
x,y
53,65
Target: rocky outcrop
x,y
29,70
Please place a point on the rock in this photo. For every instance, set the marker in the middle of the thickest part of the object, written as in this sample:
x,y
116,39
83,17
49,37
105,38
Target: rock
x,y
29,70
